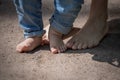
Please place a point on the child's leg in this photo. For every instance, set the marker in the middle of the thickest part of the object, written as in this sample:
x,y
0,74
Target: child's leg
x,y
30,19
94,29
62,22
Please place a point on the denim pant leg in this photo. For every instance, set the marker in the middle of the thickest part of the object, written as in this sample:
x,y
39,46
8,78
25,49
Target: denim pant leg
x,y
30,17
65,14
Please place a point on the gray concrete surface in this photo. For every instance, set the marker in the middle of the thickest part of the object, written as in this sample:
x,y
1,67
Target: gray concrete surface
x,y
99,63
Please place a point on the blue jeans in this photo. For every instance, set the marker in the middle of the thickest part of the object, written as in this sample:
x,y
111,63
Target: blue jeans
x,y
30,16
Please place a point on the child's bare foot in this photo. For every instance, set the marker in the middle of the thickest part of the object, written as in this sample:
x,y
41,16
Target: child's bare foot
x,y
45,39
29,44
90,36
56,42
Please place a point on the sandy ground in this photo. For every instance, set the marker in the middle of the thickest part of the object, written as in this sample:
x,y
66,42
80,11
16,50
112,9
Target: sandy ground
x,y
99,63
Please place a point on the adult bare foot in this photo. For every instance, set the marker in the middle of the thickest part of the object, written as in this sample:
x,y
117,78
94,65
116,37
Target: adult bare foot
x,y
28,45
89,36
95,28
56,42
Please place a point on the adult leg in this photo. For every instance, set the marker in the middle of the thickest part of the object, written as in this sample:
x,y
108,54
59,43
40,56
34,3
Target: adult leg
x,y
30,20
94,29
62,22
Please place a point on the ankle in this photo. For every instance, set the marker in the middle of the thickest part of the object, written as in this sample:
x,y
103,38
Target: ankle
x,y
55,32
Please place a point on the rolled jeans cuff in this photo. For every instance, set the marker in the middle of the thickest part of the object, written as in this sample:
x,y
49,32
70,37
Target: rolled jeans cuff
x,y
58,27
34,34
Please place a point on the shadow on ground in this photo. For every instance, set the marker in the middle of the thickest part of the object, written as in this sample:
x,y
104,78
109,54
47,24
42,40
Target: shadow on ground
x,y
109,48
